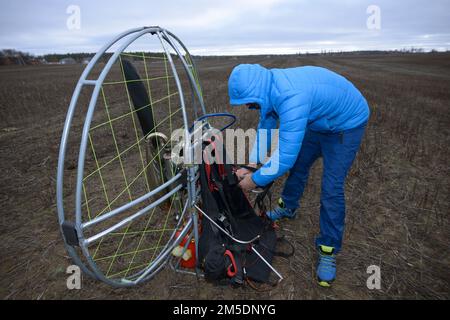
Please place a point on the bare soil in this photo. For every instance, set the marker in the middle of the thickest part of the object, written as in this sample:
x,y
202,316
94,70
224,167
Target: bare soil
x,y
397,191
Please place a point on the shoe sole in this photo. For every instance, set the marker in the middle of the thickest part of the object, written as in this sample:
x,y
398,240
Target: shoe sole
x,y
324,284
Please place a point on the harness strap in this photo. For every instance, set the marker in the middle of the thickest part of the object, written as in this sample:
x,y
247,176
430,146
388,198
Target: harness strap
x,y
207,197
219,187
232,179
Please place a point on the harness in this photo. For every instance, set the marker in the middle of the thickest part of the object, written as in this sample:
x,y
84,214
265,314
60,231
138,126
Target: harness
x,y
229,216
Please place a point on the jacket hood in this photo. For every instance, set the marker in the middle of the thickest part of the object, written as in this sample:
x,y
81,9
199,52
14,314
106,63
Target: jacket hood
x,y
250,83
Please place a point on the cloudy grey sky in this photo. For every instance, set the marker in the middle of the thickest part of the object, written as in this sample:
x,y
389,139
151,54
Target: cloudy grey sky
x,y
231,26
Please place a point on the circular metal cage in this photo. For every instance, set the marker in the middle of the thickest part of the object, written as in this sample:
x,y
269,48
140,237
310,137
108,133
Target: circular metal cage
x,y
123,205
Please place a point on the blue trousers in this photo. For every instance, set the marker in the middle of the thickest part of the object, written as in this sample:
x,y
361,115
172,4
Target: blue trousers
x,y
338,151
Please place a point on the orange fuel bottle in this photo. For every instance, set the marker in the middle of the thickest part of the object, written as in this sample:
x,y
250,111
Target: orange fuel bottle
x,y
188,258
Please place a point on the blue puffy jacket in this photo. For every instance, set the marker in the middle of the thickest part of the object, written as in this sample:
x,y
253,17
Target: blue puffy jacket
x,y
297,98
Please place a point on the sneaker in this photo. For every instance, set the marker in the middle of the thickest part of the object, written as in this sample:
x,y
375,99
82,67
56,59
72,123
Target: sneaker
x,y
281,212
326,267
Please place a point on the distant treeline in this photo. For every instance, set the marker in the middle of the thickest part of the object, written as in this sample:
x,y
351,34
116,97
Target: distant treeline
x,y
78,57
11,57
333,53
15,57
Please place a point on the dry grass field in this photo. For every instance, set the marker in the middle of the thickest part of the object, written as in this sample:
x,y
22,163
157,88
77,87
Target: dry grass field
x,y
397,192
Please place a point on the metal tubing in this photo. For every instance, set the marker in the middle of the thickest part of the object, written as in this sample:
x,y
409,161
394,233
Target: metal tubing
x,y
243,242
89,115
161,260
129,204
177,80
169,242
129,219
196,235
164,255
185,247
186,68
83,145
268,264
226,232
64,142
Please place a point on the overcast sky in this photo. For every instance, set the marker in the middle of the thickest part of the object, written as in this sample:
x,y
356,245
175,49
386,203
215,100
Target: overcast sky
x,y
231,26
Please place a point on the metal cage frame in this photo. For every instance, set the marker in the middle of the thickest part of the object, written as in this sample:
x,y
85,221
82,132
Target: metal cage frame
x,y
168,40
74,231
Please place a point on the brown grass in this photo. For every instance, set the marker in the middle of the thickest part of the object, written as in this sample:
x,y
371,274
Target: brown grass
x,y
397,191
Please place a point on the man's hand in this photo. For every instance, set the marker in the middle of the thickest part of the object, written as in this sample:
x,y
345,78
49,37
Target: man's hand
x,y
241,173
247,183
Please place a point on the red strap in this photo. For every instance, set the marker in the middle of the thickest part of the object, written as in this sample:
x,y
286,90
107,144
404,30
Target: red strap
x,y
221,170
231,273
208,176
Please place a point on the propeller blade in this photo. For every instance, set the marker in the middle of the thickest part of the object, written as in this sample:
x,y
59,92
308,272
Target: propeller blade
x,y
139,97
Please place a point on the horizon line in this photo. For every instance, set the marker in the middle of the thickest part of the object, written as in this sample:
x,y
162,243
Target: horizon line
x,y
411,49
